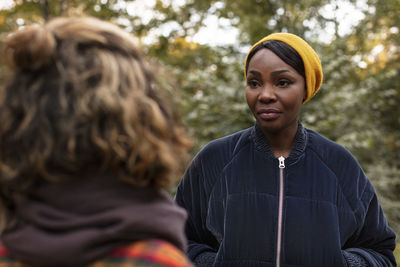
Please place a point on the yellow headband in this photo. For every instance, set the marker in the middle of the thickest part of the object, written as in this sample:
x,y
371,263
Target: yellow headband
x,y
312,63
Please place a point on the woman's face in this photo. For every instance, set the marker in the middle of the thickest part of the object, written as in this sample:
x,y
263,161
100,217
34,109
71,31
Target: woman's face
x,y
274,92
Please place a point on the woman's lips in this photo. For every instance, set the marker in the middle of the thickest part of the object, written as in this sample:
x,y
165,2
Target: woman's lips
x,y
269,114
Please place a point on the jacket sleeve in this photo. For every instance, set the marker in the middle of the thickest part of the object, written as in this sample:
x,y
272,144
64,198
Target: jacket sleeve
x,y
193,194
374,242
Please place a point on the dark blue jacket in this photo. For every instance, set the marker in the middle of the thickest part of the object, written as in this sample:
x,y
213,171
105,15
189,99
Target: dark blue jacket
x,y
323,211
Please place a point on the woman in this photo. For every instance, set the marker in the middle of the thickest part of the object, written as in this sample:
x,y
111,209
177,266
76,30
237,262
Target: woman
x,y
88,147
278,194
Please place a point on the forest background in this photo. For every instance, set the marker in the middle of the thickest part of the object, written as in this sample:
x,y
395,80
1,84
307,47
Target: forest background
x,y
199,47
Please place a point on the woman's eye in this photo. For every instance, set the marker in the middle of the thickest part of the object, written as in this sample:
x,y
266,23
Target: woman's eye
x,y
253,83
283,83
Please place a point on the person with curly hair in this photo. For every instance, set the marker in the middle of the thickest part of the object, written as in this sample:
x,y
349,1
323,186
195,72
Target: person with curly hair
x,y
89,146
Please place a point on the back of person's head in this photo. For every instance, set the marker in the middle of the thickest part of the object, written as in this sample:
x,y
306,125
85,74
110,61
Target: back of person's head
x,y
82,99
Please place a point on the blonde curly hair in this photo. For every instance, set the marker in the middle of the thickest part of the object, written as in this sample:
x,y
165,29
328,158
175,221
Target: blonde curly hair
x,y
82,98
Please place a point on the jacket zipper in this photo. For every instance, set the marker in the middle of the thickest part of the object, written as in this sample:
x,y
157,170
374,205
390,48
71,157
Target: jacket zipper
x,y
280,211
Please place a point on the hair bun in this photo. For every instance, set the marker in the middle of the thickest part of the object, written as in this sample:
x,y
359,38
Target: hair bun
x,y
30,48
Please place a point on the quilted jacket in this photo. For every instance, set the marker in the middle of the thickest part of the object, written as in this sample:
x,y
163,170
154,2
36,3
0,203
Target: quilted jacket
x,y
313,208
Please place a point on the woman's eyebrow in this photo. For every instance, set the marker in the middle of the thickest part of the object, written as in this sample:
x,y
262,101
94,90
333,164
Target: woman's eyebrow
x,y
273,74
255,73
276,73
279,72
258,74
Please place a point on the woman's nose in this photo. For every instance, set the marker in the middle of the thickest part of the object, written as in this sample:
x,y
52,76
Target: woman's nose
x,y
267,93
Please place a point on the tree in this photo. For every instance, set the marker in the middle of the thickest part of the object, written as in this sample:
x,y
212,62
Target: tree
x,y
348,108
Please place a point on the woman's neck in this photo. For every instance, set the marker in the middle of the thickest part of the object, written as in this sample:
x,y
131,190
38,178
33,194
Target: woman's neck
x,y
281,142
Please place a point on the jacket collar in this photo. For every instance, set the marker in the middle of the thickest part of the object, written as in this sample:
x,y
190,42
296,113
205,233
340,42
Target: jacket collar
x,y
299,143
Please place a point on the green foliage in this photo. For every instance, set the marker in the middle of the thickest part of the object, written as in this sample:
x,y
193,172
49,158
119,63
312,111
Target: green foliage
x,y
211,89
397,252
217,101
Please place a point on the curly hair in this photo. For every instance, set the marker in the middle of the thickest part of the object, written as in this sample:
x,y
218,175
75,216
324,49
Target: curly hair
x,y
82,98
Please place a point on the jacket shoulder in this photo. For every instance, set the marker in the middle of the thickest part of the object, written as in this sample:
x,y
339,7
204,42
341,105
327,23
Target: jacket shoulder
x,y
219,152
351,177
334,155
326,149
226,147
209,162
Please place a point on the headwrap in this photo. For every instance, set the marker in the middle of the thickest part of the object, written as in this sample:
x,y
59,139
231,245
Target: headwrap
x,y
312,63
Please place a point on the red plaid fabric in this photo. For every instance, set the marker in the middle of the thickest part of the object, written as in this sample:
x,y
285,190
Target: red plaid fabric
x,y
149,253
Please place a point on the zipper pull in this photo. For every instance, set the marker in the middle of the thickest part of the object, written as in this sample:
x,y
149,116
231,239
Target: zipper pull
x,y
281,162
